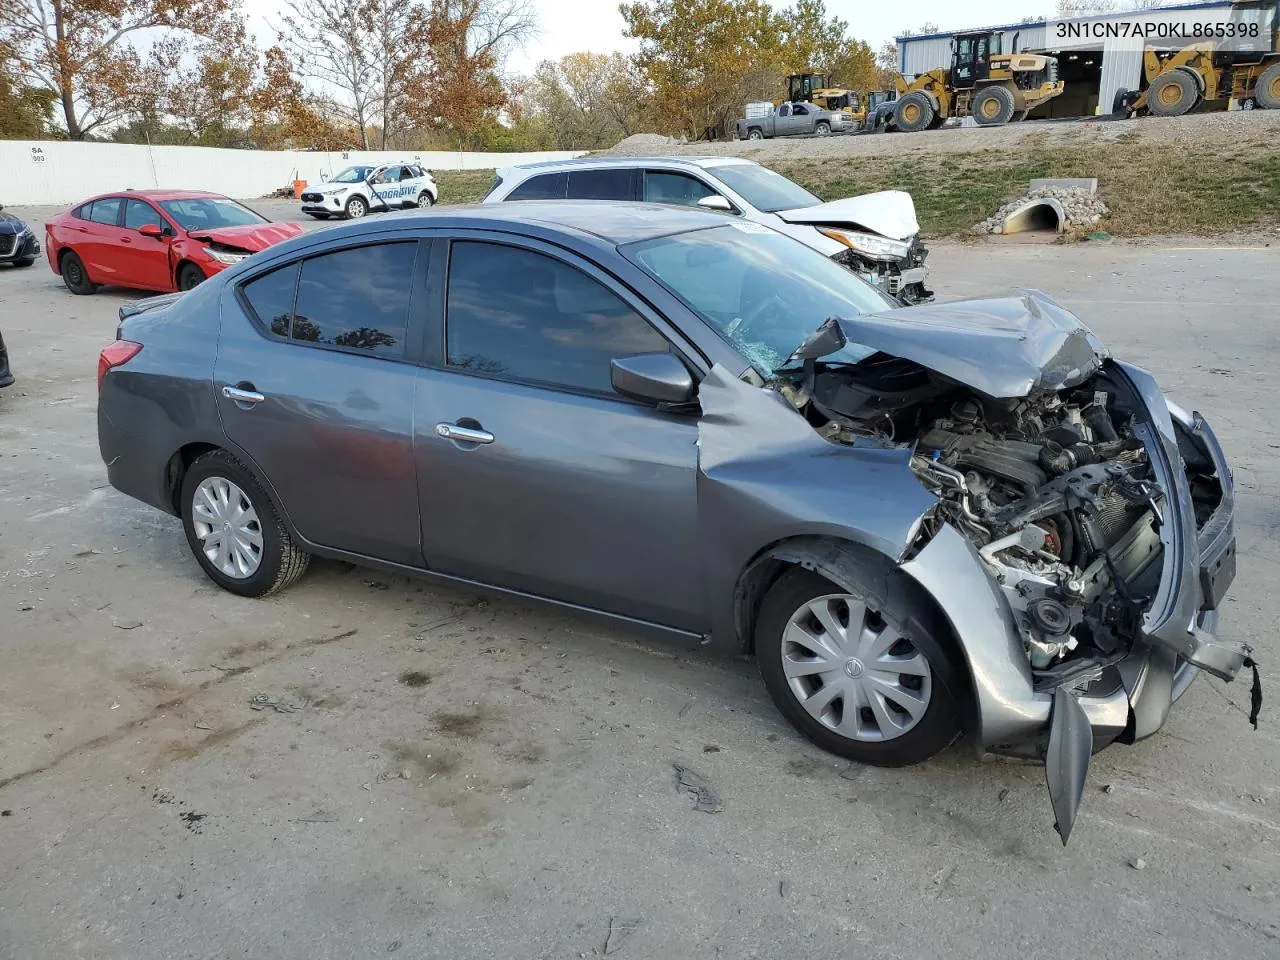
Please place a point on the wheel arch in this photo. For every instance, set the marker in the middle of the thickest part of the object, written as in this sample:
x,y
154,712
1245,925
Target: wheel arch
x,y
846,563
177,269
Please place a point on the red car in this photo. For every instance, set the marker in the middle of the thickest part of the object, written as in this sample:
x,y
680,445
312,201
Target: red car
x,y
155,239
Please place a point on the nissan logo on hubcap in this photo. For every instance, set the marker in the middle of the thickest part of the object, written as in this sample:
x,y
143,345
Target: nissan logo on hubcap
x,y
853,667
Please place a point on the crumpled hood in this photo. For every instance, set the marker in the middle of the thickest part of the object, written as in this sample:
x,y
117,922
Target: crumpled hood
x,y
253,237
1008,347
890,213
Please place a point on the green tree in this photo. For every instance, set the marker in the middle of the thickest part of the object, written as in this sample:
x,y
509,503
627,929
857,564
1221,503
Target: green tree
x,y
26,113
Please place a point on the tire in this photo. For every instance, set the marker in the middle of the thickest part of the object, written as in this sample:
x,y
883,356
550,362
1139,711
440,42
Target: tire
x,y
1266,93
1172,94
755,133
993,106
425,200
356,208
273,564
1122,105
914,113
822,128
189,277
913,735
74,275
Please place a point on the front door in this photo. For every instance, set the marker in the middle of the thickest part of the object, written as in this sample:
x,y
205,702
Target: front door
x,y
317,389
534,474
148,257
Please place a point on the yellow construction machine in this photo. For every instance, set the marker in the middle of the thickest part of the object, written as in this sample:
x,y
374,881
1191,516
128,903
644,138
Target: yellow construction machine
x,y
816,88
990,86
1177,82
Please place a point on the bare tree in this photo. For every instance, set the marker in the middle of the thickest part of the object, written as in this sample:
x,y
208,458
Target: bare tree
x,y
330,43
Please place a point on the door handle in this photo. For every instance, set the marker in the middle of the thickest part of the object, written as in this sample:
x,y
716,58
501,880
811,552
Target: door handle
x,y
451,431
242,396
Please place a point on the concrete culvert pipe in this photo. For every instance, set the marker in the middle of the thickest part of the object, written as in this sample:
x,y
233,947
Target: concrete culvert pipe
x,y
1041,214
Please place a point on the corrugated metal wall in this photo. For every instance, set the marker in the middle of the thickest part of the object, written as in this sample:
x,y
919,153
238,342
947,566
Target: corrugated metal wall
x,y
1121,70
921,54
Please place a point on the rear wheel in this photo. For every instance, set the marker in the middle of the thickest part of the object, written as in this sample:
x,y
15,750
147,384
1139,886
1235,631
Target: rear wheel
x,y
189,277
853,672
234,529
993,106
914,112
74,275
1172,94
1267,91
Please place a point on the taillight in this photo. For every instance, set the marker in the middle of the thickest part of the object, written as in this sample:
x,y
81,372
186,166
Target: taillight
x,y
114,354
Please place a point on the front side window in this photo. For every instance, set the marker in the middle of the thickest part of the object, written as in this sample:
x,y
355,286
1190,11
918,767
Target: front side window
x,y
210,213
106,211
352,175
546,186
763,189
661,186
762,291
545,321
357,298
138,212
607,184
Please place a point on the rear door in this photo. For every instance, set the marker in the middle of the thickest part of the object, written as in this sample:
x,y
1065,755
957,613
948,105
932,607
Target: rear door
x,y
99,246
148,257
606,183
315,379
568,490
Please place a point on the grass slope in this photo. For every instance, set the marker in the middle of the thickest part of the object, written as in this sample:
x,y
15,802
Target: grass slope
x,y
1152,188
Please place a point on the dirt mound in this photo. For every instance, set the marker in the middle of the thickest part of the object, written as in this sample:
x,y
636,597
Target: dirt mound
x,y
642,144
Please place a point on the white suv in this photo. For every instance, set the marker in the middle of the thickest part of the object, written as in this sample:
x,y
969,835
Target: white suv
x,y
363,189
877,235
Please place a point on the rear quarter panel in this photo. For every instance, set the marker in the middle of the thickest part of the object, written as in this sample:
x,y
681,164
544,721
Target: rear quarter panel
x,y
162,399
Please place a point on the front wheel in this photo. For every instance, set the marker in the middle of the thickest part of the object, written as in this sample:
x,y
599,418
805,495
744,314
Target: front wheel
x,y
1266,92
190,277
755,133
356,208
854,673
914,113
822,128
1172,94
234,530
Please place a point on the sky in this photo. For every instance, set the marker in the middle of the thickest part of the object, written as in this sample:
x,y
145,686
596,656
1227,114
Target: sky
x,y
572,26
564,27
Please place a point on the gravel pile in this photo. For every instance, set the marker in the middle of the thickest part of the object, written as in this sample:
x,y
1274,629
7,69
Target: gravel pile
x,y
642,145
1082,208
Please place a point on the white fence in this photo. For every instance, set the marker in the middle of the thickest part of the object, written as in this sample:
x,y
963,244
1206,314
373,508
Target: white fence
x,y
56,171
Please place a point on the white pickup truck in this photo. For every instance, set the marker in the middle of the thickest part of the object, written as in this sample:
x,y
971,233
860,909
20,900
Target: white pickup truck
x,y
794,120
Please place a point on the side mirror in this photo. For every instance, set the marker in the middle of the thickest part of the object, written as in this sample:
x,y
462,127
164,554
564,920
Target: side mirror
x,y
652,377
151,230
823,342
716,202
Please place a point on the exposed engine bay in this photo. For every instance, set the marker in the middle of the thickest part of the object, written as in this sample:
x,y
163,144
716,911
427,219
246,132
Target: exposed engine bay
x,y
1054,490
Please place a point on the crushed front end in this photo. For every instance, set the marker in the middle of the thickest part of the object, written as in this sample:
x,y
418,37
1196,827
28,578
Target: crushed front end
x,y
896,267
1083,538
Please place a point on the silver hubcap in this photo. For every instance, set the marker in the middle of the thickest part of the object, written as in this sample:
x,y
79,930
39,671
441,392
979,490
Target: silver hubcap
x,y
227,527
356,208
852,672
424,200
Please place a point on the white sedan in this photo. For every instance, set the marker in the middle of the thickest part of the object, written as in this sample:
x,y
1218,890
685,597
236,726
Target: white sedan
x,y
360,189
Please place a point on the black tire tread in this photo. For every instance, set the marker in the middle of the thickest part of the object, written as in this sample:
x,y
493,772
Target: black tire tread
x,y
1260,97
1008,105
927,116
293,561
1176,76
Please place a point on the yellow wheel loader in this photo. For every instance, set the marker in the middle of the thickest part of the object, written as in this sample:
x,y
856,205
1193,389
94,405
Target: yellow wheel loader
x,y
816,88
1176,83
992,87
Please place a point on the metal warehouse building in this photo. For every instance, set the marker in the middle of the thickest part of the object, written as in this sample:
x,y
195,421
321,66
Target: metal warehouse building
x,y
1093,76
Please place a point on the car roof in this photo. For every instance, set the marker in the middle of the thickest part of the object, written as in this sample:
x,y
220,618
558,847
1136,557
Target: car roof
x,y
612,221
705,162
163,195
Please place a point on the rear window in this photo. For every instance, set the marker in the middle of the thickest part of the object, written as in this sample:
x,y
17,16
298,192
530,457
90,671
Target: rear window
x,y
547,186
357,298
271,297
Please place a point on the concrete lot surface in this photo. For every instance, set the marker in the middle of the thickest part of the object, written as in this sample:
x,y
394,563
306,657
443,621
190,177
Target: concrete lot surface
x,y
444,776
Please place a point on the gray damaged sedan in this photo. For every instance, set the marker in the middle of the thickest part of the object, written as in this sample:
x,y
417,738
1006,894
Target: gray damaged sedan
x,y
923,521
